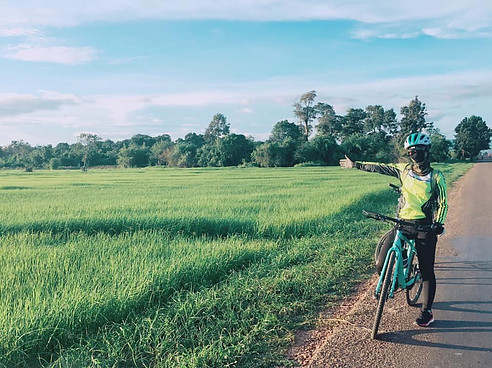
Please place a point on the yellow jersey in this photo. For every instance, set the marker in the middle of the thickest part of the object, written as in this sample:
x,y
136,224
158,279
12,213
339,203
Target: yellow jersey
x,y
422,196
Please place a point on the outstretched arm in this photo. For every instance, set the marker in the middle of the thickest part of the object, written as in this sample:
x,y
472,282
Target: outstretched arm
x,y
386,169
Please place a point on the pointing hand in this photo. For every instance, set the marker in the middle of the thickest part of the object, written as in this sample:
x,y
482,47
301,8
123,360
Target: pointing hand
x,y
346,163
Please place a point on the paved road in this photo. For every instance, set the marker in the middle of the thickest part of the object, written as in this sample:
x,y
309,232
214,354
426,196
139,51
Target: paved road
x,y
462,333
463,330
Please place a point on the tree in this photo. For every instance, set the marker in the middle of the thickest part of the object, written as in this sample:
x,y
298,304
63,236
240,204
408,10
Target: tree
x,y
37,159
140,139
68,154
232,150
158,151
261,154
209,155
353,122
197,140
183,154
276,154
440,146
89,144
235,149
55,163
19,154
280,149
329,123
413,120
163,137
368,147
322,149
472,136
390,124
306,112
134,156
107,153
283,130
61,149
379,121
217,128
46,153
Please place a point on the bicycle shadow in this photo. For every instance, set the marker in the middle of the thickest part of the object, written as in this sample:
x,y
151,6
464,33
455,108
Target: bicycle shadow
x,y
454,306
464,265
461,273
465,281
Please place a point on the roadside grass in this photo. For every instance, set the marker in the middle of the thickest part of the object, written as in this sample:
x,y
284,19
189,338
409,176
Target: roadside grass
x,y
178,268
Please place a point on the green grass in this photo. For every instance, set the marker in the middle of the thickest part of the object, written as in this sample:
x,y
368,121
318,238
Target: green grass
x,y
178,267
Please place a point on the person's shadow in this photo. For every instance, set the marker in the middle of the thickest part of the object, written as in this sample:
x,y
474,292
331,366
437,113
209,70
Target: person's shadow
x,y
412,337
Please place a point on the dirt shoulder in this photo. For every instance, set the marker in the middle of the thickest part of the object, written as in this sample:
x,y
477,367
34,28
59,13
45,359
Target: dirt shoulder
x,y
342,336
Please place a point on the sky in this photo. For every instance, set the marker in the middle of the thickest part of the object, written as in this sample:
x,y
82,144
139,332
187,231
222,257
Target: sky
x,y
116,68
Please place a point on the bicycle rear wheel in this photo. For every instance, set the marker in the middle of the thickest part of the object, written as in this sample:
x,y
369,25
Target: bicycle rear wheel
x,y
383,295
413,291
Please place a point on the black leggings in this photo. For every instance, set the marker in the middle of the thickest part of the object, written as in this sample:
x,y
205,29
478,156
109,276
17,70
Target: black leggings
x,y
426,253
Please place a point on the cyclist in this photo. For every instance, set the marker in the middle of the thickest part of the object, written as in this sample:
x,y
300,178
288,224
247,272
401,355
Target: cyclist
x,y
423,201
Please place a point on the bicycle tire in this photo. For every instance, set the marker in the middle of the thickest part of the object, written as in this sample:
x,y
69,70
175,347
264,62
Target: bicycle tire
x,y
413,292
383,295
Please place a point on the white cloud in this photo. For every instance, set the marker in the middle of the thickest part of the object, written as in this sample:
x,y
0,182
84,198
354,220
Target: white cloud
x,y
52,54
386,32
468,17
456,33
19,32
128,60
12,104
449,98
454,26
63,13
199,98
38,47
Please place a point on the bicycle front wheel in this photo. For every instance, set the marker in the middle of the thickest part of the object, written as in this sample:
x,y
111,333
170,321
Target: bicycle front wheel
x,y
414,290
383,295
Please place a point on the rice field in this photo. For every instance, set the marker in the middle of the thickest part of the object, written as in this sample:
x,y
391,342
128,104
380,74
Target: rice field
x,y
178,267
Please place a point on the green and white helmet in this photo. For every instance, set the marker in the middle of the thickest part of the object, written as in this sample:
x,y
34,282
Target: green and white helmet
x,y
415,139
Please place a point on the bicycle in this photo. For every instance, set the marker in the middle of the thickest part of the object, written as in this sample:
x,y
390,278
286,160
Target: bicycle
x,y
400,269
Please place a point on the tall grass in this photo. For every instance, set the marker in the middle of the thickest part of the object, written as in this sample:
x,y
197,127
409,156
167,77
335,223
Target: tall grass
x,y
177,268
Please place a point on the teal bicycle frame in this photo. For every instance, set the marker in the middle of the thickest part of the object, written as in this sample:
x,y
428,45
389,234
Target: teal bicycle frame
x,y
395,274
401,245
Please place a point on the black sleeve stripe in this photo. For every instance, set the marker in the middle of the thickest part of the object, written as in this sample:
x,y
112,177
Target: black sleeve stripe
x,y
442,200
378,168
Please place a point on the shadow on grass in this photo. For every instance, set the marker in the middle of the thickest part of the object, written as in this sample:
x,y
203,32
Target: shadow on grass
x,y
206,226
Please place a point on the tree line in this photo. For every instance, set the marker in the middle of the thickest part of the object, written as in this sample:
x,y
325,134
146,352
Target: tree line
x,y
319,137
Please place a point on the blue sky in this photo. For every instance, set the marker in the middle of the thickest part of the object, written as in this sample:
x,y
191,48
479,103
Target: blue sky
x,y
116,68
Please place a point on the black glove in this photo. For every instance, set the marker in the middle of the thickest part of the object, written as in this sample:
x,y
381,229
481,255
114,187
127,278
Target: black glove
x,y
438,228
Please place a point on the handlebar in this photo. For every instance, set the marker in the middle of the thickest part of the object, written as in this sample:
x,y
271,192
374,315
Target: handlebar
x,y
402,223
